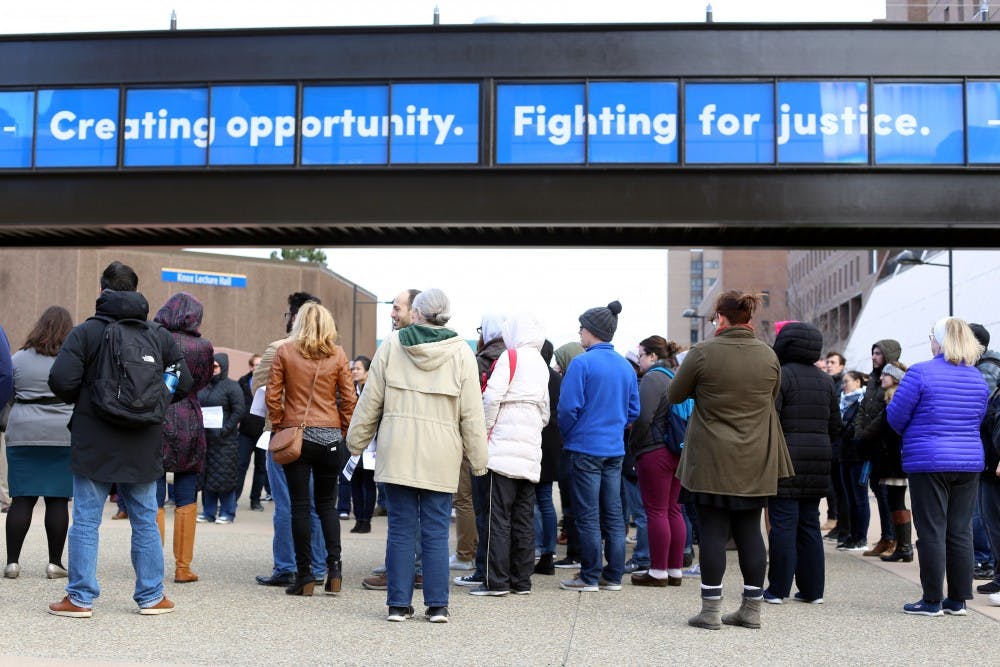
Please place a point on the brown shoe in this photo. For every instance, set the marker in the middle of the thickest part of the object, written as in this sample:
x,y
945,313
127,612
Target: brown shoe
x,y
644,579
164,606
376,582
119,516
66,608
881,547
674,581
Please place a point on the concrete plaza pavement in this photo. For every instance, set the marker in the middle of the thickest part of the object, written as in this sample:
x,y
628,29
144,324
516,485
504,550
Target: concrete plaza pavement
x,y
227,619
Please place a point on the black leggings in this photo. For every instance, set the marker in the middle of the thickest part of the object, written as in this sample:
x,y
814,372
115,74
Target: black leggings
x,y
56,526
897,497
715,525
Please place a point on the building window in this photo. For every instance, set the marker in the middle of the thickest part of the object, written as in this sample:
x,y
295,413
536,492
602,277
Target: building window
x,y
710,281
712,264
766,298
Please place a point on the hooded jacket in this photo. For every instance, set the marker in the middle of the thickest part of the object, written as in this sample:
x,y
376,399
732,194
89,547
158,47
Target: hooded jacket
x,y
809,409
868,424
222,452
938,408
184,428
100,450
650,426
423,400
989,367
517,408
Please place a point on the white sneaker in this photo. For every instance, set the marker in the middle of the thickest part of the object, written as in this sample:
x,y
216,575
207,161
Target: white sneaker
x,y
223,519
994,599
455,564
201,518
467,580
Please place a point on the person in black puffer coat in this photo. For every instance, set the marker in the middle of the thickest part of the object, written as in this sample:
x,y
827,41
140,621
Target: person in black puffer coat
x,y
808,406
218,492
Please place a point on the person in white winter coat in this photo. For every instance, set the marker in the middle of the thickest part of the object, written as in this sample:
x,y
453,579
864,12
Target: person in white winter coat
x,y
516,402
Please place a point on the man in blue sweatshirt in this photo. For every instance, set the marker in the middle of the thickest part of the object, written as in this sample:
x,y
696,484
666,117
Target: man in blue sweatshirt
x,y
599,398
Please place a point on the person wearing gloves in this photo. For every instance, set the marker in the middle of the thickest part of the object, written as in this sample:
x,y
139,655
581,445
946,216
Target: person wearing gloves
x,y
516,403
423,399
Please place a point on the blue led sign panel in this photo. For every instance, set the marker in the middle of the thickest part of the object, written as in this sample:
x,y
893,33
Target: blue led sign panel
x,y
729,123
17,125
983,120
254,125
918,123
344,125
434,123
77,128
632,122
540,123
823,122
167,128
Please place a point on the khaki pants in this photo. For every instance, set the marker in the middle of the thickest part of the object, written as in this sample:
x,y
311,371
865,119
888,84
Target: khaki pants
x,y
465,516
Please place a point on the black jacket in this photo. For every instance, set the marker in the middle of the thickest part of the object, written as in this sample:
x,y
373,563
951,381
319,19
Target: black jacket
x,y
222,449
100,450
849,450
868,425
990,432
251,425
552,441
650,426
809,409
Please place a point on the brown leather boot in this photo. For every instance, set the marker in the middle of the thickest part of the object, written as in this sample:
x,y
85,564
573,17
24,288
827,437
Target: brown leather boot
x,y
160,518
881,547
903,551
184,525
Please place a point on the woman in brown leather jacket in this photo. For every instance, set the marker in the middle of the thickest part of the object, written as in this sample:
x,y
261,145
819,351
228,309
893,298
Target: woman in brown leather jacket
x,y
302,389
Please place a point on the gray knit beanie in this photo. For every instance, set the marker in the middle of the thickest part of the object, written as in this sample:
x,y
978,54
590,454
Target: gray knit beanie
x,y
602,321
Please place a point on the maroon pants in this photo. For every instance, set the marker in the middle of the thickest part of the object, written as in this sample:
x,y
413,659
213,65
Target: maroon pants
x,y
660,490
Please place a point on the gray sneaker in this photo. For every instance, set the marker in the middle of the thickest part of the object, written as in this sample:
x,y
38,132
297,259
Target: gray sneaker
x,y
578,585
632,567
605,585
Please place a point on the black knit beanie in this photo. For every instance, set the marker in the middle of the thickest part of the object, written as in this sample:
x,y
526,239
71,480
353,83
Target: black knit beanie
x,y
602,321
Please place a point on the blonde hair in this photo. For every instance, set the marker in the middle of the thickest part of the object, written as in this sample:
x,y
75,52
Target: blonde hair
x,y
314,332
891,391
959,344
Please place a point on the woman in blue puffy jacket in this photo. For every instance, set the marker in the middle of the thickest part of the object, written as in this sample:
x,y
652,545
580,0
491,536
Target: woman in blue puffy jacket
x,y
938,409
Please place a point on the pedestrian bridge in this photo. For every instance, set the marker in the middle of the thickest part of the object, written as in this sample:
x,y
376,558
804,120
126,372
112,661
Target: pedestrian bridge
x,y
492,135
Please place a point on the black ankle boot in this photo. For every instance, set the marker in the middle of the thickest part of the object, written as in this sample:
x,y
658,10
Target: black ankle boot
x,y
544,565
903,553
362,526
303,586
334,577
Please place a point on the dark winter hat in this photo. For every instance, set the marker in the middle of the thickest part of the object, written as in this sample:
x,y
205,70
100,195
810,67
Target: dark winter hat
x,y
602,321
981,334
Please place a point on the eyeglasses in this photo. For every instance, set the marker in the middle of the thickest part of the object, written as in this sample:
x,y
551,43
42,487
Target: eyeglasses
x,y
288,316
479,330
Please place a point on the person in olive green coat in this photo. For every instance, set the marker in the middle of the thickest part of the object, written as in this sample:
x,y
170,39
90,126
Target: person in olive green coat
x,y
734,452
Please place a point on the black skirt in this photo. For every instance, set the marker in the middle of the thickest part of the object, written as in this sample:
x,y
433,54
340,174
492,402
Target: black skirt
x,y
724,502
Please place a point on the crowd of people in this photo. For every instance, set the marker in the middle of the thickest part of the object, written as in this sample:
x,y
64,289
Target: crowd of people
x,y
688,446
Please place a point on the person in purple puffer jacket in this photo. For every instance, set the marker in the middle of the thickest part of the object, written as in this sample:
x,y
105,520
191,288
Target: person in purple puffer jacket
x,y
184,429
938,409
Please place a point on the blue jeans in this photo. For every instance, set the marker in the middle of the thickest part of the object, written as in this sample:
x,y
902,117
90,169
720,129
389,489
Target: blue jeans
x,y
411,509
185,488
219,504
546,524
344,495
796,547
283,546
89,497
597,503
635,507
858,509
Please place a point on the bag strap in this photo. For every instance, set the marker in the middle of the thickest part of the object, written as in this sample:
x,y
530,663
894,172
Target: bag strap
x,y
512,356
312,392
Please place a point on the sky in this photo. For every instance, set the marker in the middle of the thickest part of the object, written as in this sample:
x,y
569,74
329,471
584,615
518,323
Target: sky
x,y
55,16
553,285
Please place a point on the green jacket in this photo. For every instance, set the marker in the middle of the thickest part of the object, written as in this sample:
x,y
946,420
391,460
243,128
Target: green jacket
x,y
734,443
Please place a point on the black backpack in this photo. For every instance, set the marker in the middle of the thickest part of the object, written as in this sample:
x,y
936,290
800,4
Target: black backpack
x,y
128,388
